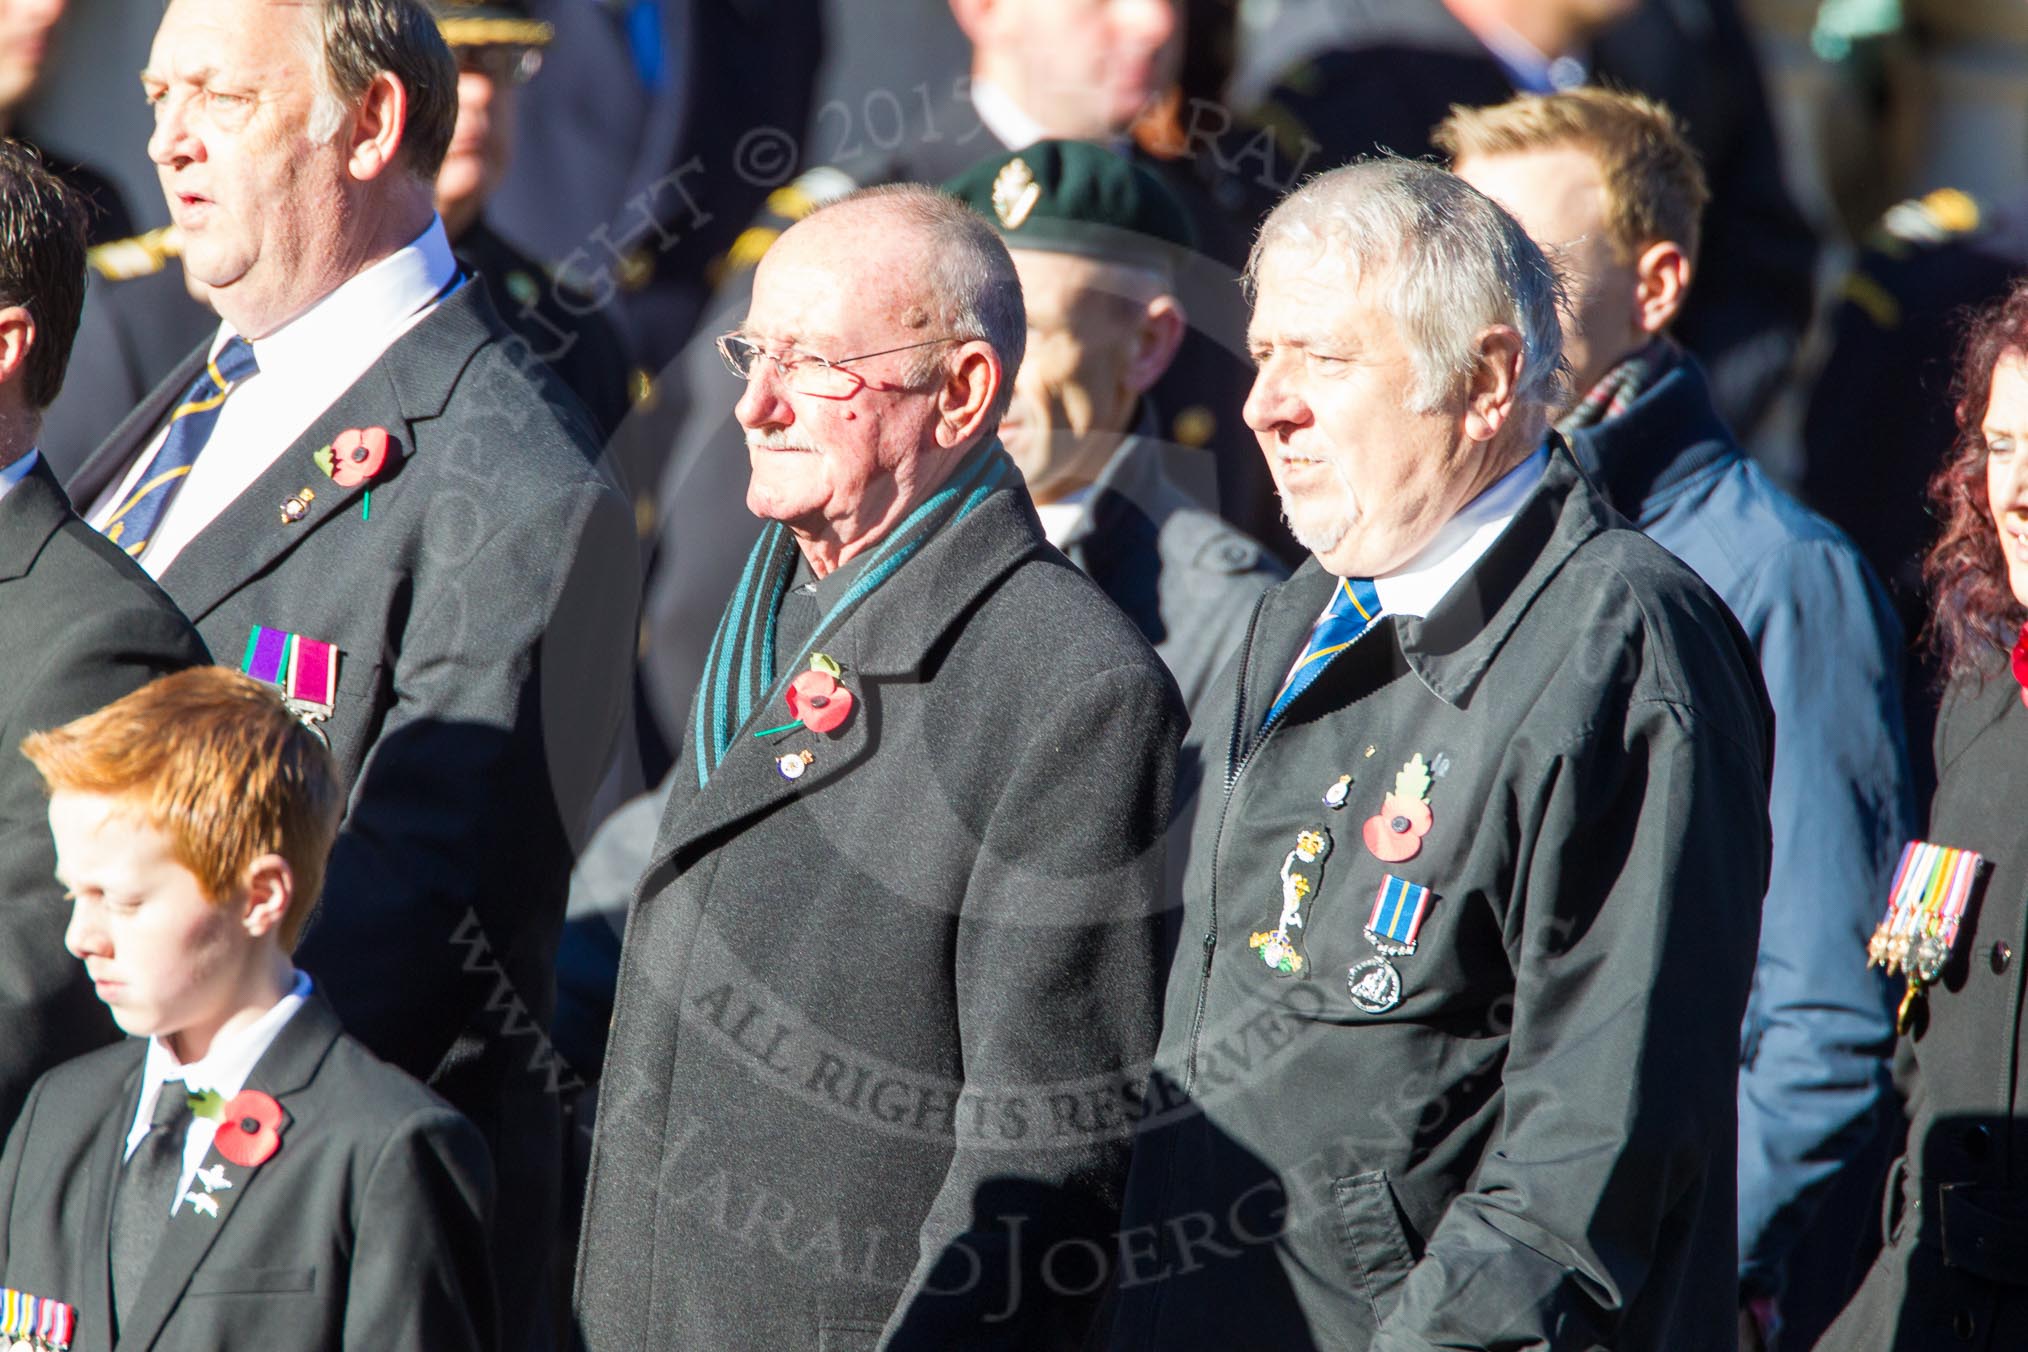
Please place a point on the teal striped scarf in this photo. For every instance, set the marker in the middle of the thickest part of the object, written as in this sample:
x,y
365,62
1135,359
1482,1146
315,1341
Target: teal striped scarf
x,y
739,673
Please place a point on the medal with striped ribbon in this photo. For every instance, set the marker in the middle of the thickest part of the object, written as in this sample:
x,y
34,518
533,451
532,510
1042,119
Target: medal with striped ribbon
x,y
1925,909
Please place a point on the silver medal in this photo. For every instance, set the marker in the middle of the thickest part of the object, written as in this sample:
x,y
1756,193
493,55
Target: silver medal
x,y
1374,985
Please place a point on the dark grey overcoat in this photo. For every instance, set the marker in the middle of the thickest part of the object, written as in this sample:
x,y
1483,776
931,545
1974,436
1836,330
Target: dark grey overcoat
x,y
878,1026
1954,1270
1532,1146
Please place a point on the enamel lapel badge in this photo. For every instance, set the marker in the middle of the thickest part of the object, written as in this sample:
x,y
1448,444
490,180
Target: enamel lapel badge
x,y
1281,948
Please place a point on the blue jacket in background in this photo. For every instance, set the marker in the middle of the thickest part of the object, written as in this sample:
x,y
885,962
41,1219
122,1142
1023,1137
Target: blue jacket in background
x,y
1819,1025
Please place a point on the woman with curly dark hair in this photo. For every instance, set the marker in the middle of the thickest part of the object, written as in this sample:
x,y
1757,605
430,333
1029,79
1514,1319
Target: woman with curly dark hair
x,y
1954,1270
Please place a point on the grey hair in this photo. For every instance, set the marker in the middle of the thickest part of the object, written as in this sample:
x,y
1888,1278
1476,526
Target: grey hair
x,y
352,41
966,274
1451,263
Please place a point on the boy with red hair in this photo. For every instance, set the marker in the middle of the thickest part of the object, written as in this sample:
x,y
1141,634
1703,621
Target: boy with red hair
x,y
246,1175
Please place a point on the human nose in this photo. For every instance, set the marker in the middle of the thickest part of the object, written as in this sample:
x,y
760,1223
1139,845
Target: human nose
x,y
173,141
85,936
1273,403
764,404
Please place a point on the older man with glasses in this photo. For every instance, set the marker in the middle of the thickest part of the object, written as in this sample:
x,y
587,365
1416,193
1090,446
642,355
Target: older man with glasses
x,y
891,977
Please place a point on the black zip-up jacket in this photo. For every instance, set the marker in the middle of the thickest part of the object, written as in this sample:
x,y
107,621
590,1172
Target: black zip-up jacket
x,y
1533,1148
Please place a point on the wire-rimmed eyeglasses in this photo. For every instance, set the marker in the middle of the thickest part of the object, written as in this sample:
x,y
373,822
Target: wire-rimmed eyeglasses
x,y
806,372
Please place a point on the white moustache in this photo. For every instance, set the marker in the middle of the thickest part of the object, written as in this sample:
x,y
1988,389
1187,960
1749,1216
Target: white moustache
x,y
777,441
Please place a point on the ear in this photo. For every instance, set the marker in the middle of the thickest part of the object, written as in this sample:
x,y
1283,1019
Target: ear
x,y
1495,376
1661,283
967,393
377,127
17,336
1155,340
269,886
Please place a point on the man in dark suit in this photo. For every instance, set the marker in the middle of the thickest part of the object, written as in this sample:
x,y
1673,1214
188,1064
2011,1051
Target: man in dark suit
x,y
240,1172
382,509
1370,74
80,625
892,973
140,318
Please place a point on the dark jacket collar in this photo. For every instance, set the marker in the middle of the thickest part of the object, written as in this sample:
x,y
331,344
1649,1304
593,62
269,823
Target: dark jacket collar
x,y
1132,481
32,511
1451,647
1669,437
411,382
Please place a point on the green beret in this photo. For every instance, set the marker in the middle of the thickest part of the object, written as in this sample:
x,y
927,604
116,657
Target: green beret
x,y
1080,198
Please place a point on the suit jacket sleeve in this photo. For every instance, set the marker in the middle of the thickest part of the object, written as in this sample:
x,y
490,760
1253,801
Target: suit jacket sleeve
x,y
1058,996
47,1008
456,850
1818,1026
421,1280
1632,938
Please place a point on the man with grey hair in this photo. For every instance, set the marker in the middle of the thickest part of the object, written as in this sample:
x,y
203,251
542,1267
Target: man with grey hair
x,y
891,977
359,492
1470,905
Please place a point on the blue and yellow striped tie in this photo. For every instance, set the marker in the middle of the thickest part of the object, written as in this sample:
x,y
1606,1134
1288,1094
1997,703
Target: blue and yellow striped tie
x,y
1354,609
133,525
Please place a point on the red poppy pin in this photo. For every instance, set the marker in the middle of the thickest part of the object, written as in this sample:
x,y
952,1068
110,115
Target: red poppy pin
x,y
1396,834
2021,662
249,1125
816,698
359,455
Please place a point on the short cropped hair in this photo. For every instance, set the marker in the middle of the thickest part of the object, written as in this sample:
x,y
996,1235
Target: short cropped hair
x,y
217,762
359,39
42,263
1449,263
967,274
1655,188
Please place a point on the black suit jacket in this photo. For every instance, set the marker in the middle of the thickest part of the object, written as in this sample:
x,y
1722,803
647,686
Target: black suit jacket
x,y
485,618
80,626
365,1229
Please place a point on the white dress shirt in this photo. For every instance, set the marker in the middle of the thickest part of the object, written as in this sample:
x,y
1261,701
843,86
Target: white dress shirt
x,y
222,1069
304,366
16,472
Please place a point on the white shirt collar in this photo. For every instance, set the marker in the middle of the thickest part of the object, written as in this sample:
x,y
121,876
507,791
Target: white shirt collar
x,y
368,305
1003,117
16,472
224,1067
1417,586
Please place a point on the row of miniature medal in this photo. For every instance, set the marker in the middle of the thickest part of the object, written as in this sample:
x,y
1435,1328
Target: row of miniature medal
x,y
35,1323
1925,908
1399,906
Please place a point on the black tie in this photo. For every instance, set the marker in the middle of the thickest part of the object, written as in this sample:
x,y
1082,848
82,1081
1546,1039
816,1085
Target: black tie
x,y
147,1186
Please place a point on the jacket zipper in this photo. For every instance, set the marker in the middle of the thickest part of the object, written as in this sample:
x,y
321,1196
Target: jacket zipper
x,y
1234,765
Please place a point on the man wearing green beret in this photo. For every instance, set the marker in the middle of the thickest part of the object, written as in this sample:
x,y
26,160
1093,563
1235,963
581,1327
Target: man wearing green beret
x,y
1093,236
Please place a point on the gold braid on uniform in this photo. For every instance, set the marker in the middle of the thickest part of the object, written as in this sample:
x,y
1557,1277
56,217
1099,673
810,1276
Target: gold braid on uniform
x,y
143,255
481,32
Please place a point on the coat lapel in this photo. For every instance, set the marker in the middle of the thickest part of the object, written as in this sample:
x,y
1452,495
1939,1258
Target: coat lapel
x,y
105,1156
409,384
288,1065
882,643
106,464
